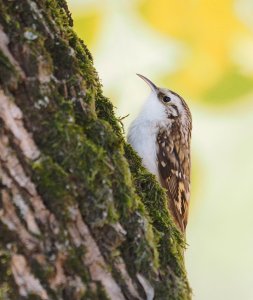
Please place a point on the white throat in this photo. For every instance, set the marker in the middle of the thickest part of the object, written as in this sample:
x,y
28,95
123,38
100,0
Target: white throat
x,y
152,110
143,131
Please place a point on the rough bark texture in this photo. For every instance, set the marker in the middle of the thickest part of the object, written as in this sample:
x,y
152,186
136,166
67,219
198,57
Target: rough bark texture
x,y
79,217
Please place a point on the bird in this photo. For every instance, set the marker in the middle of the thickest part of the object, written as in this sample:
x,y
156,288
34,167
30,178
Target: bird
x,y
161,135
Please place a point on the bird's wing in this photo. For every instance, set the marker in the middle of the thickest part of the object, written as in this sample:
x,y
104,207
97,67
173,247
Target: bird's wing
x,y
174,170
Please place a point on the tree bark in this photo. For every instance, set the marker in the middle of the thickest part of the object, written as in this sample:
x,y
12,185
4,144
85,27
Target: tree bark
x,y
80,218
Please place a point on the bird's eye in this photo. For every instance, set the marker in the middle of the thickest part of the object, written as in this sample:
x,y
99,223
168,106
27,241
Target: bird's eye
x,y
166,99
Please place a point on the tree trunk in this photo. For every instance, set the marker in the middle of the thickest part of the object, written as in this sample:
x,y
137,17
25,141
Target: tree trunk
x,y
80,218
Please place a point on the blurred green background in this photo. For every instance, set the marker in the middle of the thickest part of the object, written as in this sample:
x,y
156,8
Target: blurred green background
x,y
203,50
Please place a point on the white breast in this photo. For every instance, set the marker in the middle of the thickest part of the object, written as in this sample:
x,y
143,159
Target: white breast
x,y
142,137
143,132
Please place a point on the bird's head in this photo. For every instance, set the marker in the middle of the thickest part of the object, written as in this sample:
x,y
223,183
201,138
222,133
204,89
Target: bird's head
x,y
166,100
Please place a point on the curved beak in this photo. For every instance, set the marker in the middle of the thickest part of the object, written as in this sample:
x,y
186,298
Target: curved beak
x,y
149,82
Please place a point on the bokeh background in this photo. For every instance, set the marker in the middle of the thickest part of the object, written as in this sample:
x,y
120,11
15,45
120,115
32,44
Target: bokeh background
x,y
203,50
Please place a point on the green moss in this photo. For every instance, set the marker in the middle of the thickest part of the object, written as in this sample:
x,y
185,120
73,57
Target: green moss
x,y
73,266
8,72
104,110
54,185
101,293
5,264
95,292
44,273
63,62
85,162
8,288
59,12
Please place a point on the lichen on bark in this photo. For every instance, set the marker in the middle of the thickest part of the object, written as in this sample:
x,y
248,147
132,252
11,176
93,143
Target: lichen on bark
x,y
80,218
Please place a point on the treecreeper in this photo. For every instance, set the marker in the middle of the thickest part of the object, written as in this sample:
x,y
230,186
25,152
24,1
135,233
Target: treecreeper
x,y
161,135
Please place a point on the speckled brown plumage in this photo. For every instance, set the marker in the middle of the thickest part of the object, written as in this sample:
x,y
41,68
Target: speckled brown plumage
x,y
173,157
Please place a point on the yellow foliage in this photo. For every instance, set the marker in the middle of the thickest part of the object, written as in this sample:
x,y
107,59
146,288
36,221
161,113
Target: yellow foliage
x,y
208,29
87,25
